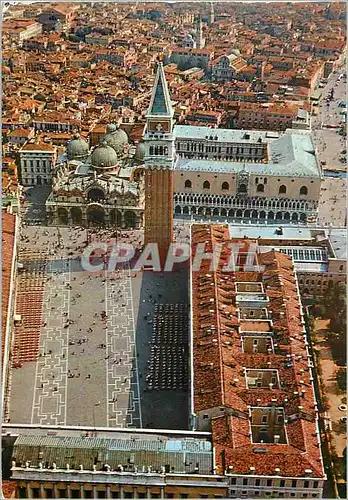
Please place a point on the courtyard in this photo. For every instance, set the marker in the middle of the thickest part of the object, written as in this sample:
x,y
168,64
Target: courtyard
x,y
86,362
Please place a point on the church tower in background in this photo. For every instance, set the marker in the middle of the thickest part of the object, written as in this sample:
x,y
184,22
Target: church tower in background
x,y
159,164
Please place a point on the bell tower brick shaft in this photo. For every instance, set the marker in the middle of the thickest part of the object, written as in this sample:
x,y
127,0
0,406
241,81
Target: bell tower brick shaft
x,y
159,210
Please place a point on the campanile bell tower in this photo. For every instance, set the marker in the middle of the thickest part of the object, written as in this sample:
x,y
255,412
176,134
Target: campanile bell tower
x,y
159,164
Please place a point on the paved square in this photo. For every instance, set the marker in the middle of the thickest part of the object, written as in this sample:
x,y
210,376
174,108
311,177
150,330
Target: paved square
x,y
94,343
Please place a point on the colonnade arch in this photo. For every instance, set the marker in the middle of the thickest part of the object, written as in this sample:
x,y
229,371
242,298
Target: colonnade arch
x,y
277,209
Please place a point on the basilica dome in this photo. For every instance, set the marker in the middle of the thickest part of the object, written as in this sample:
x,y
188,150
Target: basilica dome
x,y
77,148
140,152
104,156
116,138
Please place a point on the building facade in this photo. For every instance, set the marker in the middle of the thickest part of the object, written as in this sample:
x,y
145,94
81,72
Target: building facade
x,y
232,174
227,67
126,464
36,163
96,188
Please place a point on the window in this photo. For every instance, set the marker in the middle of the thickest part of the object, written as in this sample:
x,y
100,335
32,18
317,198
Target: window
x,y
188,184
205,417
87,493
206,185
128,494
306,484
305,495
225,186
48,492
264,419
234,480
35,492
282,483
315,484
143,495
100,494
260,188
183,495
242,188
282,189
245,482
116,494
62,493
76,494
303,190
22,492
269,482
293,483
257,482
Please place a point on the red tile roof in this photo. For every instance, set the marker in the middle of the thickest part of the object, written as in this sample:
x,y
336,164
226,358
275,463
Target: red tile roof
x,y
220,362
8,242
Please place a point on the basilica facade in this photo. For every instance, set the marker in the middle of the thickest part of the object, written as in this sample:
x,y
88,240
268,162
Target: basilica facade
x,y
96,187
219,174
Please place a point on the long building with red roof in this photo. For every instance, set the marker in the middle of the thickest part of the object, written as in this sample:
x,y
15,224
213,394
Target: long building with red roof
x,y
9,232
252,381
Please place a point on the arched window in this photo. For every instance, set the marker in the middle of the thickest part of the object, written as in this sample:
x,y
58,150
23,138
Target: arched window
x,y
260,188
303,190
188,184
282,189
242,188
206,185
225,186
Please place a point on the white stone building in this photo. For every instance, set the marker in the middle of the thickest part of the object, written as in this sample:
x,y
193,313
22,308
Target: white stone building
x,y
37,163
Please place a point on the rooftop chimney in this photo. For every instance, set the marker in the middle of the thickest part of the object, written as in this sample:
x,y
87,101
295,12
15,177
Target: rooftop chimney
x,y
277,470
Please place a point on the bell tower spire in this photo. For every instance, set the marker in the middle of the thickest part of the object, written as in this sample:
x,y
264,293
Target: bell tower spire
x,y
159,165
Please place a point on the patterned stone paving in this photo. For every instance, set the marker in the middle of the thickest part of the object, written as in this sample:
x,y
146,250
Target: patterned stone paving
x,y
50,392
122,374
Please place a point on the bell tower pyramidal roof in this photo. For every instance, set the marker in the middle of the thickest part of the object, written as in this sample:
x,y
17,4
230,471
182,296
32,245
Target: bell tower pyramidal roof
x,y
160,104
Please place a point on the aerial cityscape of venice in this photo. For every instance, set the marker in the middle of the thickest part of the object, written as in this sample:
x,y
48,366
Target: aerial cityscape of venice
x,y
174,247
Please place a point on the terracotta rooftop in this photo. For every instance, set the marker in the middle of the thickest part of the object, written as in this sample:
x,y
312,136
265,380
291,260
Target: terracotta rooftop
x,y
8,242
220,359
